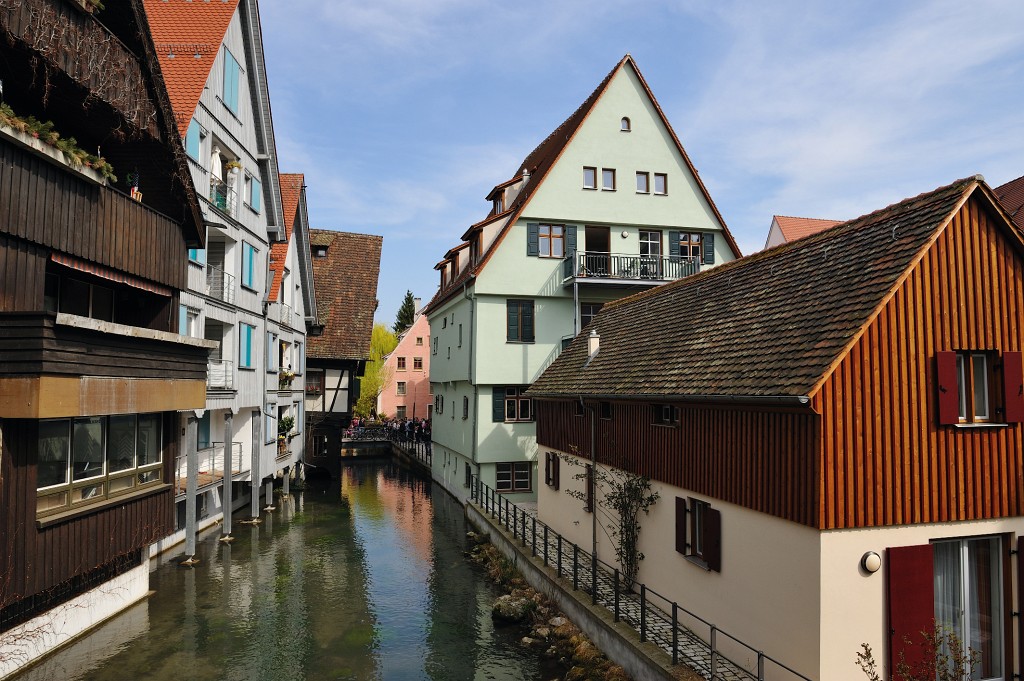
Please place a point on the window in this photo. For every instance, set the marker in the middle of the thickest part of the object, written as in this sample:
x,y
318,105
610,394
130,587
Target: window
x,y
245,336
89,459
624,125
699,533
643,182
551,469
606,410
608,179
434,351
690,245
271,351
231,78
419,340
81,298
519,321
188,321
973,384
270,423
400,388
253,192
465,407
400,411
248,265
660,183
511,405
197,255
589,178
551,241
401,363
469,474
320,251
588,311
193,139
299,356
314,382
978,386
417,364
203,431
438,404
514,477
299,416
664,415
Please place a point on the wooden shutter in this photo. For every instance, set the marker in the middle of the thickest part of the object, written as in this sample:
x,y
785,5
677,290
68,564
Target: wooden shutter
x,y
570,239
556,463
1020,600
526,312
910,599
673,245
708,242
498,404
512,319
949,392
547,468
681,525
713,539
1013,387
532,238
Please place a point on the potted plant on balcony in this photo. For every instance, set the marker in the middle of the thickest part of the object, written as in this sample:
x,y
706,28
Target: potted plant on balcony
x,y
284,429
285,378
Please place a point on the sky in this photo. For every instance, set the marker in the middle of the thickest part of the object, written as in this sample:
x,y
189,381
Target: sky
x,y
403,114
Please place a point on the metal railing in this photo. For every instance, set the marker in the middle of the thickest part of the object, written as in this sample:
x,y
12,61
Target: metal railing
x,y
686,636
211,465
220,374
633,267
417,449
222,196
220,284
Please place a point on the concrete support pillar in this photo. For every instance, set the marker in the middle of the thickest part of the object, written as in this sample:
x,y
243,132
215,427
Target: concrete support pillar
x,y
254,472
191,488
287,480
226,498
270,495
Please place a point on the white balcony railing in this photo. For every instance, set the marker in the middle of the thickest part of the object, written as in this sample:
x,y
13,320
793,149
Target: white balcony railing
x,y
222,196
220,374
211,465
220,284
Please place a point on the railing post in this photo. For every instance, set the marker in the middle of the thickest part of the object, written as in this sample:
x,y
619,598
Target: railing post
x,y
559,564
593,578
545,546
643,614
533,544
515,520
615,585
714,651
575,567
760,666
675,633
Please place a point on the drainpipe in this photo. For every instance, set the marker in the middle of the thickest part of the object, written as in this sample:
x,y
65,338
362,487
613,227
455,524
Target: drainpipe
x,y
471,368
593,486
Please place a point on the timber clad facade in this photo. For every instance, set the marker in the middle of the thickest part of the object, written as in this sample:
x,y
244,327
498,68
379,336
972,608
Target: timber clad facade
x,y
872,405
92,369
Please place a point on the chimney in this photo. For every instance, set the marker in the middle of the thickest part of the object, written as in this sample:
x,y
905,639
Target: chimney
x,y
417,305
593,343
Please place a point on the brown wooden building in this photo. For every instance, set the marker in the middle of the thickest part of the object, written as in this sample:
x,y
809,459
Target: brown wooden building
x,y
93,254
849,401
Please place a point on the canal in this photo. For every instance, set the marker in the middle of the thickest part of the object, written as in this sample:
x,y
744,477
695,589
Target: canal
x,y
360,578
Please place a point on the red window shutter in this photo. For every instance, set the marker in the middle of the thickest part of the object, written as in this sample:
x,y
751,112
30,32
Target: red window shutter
x,y
713,539
949,393
910,595
1020,598
1013,387
681,525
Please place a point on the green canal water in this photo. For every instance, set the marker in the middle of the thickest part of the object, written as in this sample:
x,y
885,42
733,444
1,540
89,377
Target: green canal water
x,y
360,578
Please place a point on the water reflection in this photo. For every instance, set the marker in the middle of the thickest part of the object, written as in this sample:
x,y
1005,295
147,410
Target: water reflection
x,y
360,579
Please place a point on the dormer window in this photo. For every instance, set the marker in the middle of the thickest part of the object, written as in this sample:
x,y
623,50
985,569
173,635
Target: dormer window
x,y
320,251
498,203
624,125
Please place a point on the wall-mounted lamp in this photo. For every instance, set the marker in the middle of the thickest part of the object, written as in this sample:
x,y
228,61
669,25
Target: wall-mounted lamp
x,y
871,562
624,234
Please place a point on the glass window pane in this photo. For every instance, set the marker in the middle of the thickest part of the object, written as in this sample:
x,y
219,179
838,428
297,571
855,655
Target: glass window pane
x,y
980,377
524,409
87,492
148,446
149,476
54,451
102,303
947,585
608,178
590,177
121,443
984,611
510,410
87,447
961,384
74,298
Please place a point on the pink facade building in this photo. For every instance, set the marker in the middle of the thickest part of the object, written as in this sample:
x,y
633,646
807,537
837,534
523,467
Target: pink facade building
x,y
407,392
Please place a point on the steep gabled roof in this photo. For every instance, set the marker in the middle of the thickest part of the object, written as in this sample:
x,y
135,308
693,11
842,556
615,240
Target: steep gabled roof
x,y
797,228
346,293
539,161
1011,195
188,36
291,192
769,325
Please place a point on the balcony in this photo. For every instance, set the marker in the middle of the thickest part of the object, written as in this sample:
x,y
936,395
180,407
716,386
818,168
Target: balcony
x,y
211,466
622,268
220,375
220,284
222,196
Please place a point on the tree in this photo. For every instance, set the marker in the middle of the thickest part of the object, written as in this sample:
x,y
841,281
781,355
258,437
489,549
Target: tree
x,y
406,314
375,375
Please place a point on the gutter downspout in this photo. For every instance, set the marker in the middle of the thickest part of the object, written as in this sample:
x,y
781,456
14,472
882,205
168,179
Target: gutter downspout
x,y
592,484
471,367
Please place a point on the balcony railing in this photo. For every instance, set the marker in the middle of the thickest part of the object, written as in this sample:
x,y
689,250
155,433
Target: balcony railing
x,y
222,196
211,465
220,374
220,284
629,267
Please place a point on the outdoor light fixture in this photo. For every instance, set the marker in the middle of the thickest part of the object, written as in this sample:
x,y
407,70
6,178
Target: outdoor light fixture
x,y
624,234
871,562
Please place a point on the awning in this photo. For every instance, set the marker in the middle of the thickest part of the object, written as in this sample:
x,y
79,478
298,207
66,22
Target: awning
x,y
108,273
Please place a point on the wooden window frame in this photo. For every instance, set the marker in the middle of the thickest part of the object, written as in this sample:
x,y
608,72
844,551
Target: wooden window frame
x,y
646,177
604,180
514,471
665,415
417,364
401,388
400,363
625,125
593,183
704,534
519,332
547,239
514,403
664,184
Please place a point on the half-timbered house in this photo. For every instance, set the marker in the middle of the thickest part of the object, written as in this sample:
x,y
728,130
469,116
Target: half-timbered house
x,y
93,252
835,430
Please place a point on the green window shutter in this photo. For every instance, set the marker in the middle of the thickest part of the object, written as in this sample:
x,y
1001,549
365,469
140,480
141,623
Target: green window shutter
x,y
182,319
570,239
526,311
230,81
673,245
532,239
708,241
512,314
192,140
257,194
498,404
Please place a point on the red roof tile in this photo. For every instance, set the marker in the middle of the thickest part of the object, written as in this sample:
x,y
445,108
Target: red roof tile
x,y
192,32
291,192
797,228
1011,195
345,282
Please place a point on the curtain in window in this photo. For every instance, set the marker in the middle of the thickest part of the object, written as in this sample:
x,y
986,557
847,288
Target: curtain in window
x,y
948,607
983,612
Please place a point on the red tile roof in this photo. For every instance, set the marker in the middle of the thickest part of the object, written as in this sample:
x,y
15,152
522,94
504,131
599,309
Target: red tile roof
x,y
1011,195
773,324
797,228
291,192
345,282
192,32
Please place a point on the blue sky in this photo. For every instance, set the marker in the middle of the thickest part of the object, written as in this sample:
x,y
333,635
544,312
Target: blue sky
x,y
404,113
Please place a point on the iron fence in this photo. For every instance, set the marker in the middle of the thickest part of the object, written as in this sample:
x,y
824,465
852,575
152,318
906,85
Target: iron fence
x,y
628,266
418,449
684,635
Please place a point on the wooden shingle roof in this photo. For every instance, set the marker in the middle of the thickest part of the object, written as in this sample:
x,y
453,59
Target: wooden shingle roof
x,y
345,282
769,325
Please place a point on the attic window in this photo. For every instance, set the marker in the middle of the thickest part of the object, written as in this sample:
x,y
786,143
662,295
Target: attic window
x,y
320,251
624,125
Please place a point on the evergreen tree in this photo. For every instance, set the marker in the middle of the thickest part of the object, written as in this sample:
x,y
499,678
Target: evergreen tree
x,y
406,314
